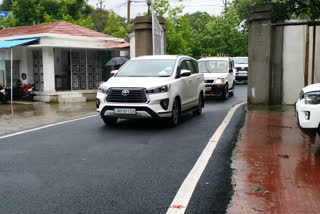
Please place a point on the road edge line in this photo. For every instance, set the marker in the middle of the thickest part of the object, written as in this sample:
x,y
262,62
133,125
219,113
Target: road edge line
x,y
46,126
184,194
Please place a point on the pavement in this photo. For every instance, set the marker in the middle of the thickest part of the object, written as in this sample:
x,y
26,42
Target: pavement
x,y
26,115
275,167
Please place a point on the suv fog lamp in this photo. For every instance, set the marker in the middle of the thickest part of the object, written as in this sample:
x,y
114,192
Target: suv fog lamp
x,y
164,104
220,81
307,115
97,103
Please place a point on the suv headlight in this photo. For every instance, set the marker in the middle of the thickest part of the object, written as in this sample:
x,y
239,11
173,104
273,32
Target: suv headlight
x,y
219,81
103,90
161,89
312,98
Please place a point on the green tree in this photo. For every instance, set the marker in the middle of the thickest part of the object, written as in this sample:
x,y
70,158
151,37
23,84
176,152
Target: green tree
x,y
26,12
225,35
115,26
6,5
7,22
72,8
305,9
179,35
50,10
198,21
242,7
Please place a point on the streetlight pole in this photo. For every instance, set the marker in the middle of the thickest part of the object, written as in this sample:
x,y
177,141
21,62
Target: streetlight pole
x,y
128,18
149,4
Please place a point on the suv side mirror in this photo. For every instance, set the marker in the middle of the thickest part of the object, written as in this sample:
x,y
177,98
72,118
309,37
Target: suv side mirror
x,y
185,73
230,70
112,73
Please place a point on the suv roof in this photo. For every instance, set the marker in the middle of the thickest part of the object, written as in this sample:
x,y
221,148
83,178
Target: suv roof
x,y
215,58
159,57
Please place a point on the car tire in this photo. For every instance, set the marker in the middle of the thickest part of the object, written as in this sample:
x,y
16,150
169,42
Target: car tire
x,y
232,91
4,100
225,94
198,111
109,121
176,113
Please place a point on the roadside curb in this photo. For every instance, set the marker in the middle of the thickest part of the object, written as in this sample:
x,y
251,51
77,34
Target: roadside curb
x,y
184,194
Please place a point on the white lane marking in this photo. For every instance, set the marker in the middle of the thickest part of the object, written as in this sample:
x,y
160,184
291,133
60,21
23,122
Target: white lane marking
x,y
46,126
183,196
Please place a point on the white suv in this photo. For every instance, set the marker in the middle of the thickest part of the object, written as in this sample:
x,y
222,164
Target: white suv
x,y
152,87
308,109
219,76
241,66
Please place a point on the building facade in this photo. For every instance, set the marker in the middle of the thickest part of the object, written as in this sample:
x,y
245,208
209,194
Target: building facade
x,y
64,62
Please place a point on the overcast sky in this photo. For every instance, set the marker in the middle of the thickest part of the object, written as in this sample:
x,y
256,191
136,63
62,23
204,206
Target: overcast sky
x,y
213,7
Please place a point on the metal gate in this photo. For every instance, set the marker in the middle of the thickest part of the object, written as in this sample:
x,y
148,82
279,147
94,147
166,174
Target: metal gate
x,y
78,61
94,69
37,69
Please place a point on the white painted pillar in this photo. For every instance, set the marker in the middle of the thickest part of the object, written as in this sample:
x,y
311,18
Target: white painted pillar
x,y
24,68
48,69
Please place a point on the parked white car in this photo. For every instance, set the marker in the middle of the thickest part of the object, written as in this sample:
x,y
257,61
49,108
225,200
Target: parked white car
x,y
152,87
219,76
241,66
308,108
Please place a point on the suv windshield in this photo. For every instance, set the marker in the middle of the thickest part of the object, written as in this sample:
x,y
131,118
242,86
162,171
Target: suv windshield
x,y
240,60
147,68
213,66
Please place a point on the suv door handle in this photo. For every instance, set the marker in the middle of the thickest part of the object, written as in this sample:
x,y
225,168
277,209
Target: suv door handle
x,y
190,79
198,78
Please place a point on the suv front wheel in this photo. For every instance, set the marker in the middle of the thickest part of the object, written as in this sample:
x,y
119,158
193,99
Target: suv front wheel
x,y
198,111
176,113
225,93
109,120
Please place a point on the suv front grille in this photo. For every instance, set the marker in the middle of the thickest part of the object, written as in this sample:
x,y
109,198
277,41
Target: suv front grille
x,y
135,95
242,68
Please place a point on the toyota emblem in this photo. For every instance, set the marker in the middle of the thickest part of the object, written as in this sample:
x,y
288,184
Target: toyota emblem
x,y
125,93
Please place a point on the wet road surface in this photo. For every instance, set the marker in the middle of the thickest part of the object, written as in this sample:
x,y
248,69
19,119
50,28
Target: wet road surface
x,y
25,115
135,167
277,170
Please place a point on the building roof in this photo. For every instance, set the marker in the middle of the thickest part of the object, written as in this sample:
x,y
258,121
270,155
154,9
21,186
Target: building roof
x,y
63,27
119,45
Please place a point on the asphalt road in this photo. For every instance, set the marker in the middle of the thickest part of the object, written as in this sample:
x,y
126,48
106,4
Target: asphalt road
x,y
136,167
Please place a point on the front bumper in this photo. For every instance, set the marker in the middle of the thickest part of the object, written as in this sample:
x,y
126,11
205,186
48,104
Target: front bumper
x,y
240,77
214,90
151,109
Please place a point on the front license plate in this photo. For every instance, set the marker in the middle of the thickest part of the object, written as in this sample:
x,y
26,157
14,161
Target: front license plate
x,y
124,111
208,88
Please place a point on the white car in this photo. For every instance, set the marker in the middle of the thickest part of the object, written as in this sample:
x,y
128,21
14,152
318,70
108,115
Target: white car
x,y
152,87
241,66
219,76
308,108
